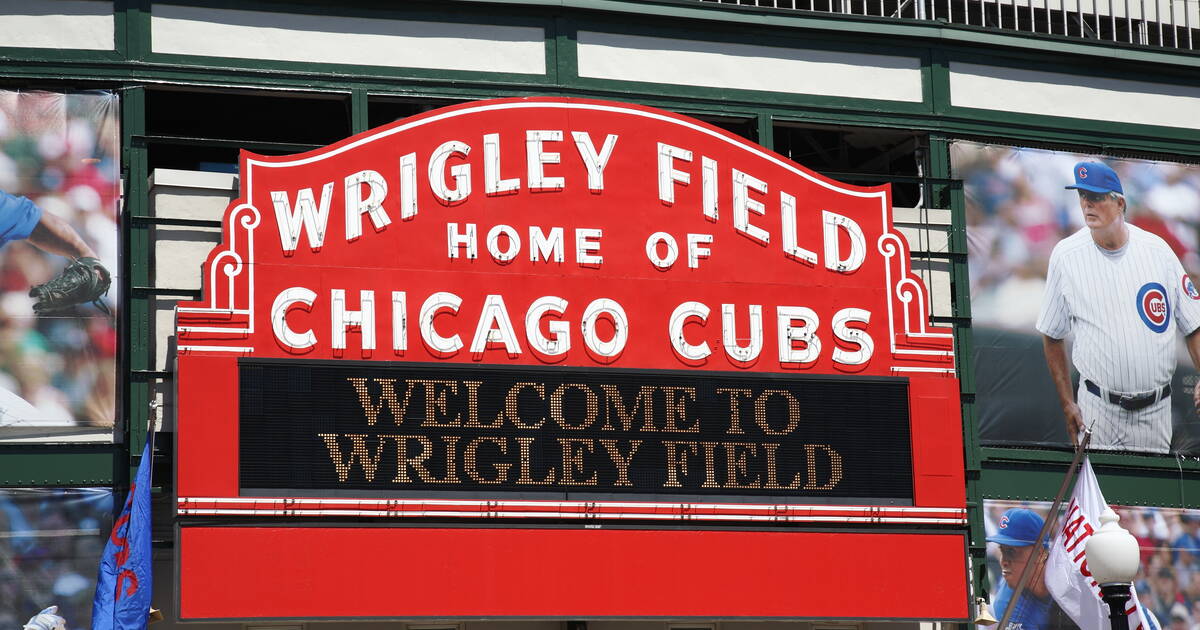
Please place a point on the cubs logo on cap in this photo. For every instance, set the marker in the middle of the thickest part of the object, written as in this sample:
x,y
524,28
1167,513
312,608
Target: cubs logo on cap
x,y
1189,288
1153,307
1019,527
1096,177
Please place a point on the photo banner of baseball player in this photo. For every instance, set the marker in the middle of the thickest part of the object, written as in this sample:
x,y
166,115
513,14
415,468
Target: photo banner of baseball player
x,y
558,308
51,540
1052,293
59,195
1167,582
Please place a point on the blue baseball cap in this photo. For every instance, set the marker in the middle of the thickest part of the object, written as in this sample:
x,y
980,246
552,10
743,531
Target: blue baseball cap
x,y
1096,177
1019,527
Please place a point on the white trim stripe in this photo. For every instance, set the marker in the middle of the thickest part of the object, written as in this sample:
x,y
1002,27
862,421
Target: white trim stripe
x,y
69,24
1017,90
900,368
214,329
363,41
241,349
622,57
634,516
418,508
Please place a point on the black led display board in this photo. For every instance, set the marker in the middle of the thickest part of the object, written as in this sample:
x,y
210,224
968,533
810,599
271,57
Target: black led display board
x,y
309,427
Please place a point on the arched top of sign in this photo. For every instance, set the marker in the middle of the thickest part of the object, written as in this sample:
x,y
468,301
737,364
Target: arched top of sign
x,y
649,114
549,231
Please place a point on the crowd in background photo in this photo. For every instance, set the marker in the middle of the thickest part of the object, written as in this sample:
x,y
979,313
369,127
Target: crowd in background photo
x,y
50,546
1168,579
61,151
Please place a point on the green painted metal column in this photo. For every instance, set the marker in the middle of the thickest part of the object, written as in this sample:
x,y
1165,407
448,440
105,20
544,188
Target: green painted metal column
x,y
359,118
950,194
139,277
766,130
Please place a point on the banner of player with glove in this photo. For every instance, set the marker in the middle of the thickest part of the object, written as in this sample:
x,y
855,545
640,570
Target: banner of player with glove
x,y
84,280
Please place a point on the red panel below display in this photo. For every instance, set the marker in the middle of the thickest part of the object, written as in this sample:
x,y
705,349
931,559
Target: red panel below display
x,y
311,572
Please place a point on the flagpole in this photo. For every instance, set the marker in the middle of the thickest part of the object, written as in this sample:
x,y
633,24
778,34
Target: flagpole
x,y
150,452
1050,523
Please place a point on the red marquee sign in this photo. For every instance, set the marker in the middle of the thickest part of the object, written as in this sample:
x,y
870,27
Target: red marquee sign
x,y
570,310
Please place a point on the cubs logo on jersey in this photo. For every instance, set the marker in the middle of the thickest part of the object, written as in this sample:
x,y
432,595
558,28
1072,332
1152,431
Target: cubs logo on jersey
x,y
1153,307
1189,288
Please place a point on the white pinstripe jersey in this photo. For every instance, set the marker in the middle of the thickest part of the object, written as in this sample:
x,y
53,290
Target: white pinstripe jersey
x,y
1122,308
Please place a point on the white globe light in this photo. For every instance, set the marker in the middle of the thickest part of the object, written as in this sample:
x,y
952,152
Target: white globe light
x,y
1112,553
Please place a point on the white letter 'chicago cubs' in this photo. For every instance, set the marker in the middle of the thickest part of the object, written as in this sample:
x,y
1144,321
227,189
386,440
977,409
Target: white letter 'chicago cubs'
x,y
1121,291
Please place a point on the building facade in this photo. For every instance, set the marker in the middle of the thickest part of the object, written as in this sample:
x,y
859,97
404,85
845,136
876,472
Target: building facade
x,y
975,114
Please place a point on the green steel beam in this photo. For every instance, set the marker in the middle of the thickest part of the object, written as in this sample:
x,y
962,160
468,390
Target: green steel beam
x,y
133,19
766,130
566,52
943,195
935,114
63,465
1034,475
937,83
139,257
358,111
959,122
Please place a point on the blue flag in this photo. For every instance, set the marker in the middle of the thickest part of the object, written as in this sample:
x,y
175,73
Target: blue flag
x,y
122,599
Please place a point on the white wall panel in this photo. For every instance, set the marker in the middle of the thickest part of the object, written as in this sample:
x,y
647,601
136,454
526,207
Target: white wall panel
x,y
71,24
349,40
1057,94
748,67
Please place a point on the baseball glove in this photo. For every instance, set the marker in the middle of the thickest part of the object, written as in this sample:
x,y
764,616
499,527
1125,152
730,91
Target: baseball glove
x,y
83,280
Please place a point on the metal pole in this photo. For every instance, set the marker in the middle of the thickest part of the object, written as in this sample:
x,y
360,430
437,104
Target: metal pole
x,y
1158,18
1050,523
1174,29
1117,597
1129,21
1112,14
1187,22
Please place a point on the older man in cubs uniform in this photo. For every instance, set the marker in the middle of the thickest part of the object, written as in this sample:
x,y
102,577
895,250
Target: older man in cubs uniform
x,y
1122,292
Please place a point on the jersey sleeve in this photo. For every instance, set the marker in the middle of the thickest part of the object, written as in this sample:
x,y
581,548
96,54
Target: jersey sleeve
x,y
1187,299
18,217
1054,318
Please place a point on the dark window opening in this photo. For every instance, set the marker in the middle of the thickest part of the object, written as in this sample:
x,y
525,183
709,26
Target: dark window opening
x,y
214,159
384,110
859,155
744,127
204,130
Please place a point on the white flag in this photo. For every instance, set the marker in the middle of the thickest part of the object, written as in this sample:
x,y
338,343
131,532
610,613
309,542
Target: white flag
x,y
1067,575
